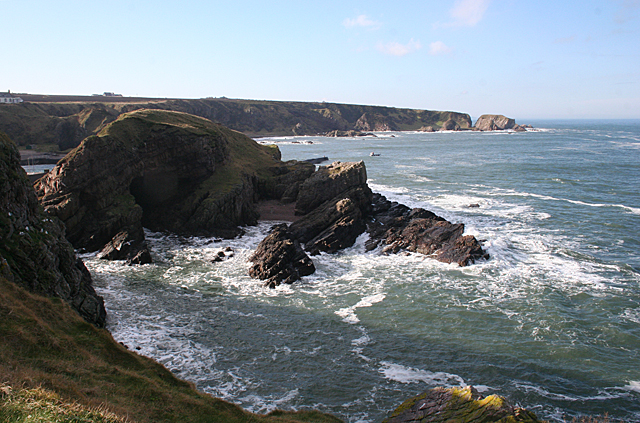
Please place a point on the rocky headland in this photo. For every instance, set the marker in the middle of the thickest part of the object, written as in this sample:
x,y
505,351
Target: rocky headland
x,y
498,123
170,171
164,171
66,120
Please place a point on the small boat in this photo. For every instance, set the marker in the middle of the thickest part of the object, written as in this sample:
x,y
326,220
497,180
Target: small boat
x,y
374,154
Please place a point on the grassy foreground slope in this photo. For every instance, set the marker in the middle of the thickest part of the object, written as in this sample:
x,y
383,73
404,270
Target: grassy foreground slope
x,y
53,363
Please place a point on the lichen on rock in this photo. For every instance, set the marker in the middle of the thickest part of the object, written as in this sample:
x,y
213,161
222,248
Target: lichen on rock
x,y
449,405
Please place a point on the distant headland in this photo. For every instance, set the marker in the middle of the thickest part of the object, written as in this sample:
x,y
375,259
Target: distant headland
x,y
67,120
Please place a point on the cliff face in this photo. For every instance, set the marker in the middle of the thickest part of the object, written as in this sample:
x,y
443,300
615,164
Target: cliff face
x,y
68,123
33,250
164,171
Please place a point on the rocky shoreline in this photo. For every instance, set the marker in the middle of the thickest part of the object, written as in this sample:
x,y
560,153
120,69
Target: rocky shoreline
x,y
176,172
336,206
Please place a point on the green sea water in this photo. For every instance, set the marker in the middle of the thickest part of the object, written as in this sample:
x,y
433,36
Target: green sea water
x,y
551,321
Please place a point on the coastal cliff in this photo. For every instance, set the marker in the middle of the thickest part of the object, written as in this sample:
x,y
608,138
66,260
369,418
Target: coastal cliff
x,y
66,121
163,171
33,250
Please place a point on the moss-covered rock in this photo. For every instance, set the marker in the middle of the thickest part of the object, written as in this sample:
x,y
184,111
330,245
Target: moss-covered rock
x,y
459,405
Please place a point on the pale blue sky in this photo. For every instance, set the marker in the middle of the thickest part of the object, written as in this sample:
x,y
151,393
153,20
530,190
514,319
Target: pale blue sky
x,y
524,59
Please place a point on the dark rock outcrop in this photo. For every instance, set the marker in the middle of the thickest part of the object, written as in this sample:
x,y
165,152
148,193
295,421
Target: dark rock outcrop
x,y
494,123
328,182
124,246
396,227
279,258
443,405
334,202
284,183
33,250
164,171
336,223
337,206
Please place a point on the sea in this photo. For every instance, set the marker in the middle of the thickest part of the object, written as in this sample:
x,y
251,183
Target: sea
x,y
551,321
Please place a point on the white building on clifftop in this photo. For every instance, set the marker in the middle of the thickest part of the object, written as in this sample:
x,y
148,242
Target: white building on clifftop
x,y
9,98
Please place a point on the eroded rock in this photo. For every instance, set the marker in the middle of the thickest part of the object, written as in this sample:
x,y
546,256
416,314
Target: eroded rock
x,y
396,228
328,182
279,258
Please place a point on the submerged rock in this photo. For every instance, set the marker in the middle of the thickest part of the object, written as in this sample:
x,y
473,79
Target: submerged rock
x,y
444,405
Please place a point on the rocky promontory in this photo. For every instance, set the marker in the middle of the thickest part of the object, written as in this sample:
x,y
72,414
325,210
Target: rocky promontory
x,y
163,171
337,206
33,250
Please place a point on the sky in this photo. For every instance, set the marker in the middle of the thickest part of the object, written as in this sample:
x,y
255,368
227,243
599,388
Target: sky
x,y
523,59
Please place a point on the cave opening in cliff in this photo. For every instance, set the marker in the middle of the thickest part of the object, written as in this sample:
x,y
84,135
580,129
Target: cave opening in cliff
x,y
155,192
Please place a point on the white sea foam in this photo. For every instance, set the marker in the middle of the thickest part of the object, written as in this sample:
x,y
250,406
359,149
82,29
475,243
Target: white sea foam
x,y
348,314
602,395
403,374
633,386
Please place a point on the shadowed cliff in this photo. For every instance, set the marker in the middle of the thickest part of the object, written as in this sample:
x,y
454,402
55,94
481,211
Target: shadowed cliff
x,y
33,250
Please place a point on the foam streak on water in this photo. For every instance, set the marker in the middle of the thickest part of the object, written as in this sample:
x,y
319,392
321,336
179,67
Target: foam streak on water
x,y
551,320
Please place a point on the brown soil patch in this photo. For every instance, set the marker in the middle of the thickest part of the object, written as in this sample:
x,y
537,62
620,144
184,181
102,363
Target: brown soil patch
x,y
275,210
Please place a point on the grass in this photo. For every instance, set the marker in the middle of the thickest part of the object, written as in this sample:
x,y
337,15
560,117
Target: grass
x,y
53,365
41,405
